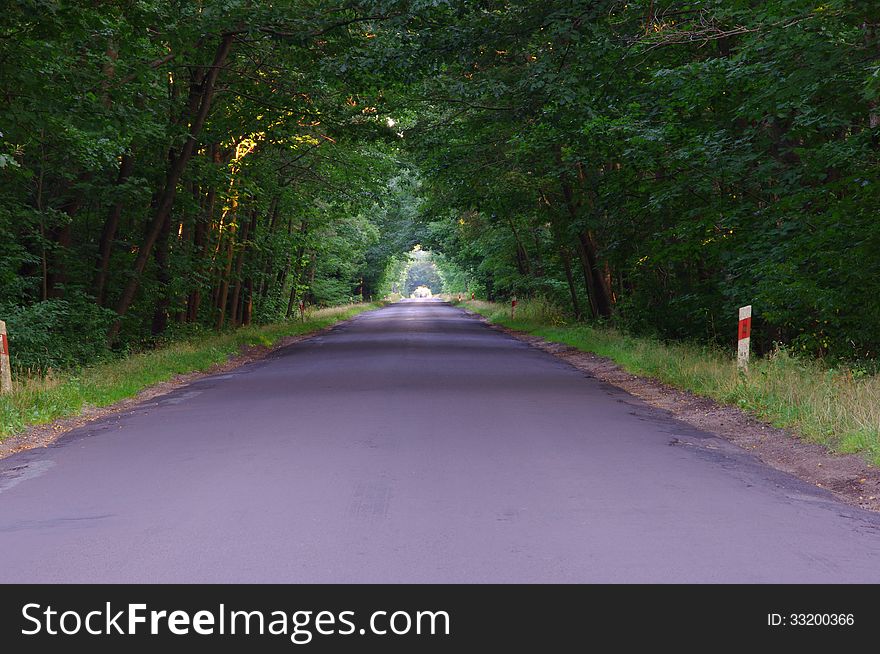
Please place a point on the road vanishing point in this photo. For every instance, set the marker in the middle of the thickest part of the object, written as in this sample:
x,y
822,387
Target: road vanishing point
x,y
414,444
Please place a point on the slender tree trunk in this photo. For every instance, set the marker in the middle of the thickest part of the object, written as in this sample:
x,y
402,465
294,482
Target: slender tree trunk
x,y
596,282
184,246
285,271
572,288
200,240
539,259
163,276
223,293
297,266
166,198
522,256
57,273
44,262
263,288
588,278
313,267
204,221
247,303
291,301
108,233
247,229
568,197
56,277
873,105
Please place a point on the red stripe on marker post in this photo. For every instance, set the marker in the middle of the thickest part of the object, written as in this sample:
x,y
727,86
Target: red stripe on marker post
x,y
745,328
745,333
5,368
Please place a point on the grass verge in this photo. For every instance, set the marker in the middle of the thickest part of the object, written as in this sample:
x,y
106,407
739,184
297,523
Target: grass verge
x,y
41,399
836,407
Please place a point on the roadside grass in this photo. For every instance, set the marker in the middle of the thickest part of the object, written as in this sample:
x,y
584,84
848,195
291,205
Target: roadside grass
x,y
39,399
837,407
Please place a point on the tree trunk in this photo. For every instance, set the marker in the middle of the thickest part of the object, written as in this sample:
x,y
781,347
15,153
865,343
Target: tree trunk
x,y
223,292
248,303
872,44
56,277
588,278
313,266
297,267
566,266
184,246
596,282
166,198
522,256
246,230
200,240
56,271
539,259
285,271
108,234
263,289
163,276
204,220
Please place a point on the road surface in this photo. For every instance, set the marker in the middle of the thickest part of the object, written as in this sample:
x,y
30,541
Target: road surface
x,y
414,444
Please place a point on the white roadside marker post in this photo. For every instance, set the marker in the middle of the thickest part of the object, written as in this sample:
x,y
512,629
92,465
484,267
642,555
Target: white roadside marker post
x,y
513,308
745,332
5,370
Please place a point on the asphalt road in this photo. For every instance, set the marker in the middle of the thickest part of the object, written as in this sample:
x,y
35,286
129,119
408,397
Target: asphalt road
x,y
414,444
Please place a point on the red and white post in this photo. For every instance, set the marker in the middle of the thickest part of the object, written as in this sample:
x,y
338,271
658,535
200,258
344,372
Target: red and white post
x,y
5,369
745,333
302,310
513,308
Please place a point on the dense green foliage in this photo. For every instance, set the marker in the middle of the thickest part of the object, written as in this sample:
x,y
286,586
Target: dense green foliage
x,y
174,166
168,167
662,163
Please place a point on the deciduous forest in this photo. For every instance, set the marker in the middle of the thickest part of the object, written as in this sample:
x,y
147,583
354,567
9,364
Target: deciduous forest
x,y
168,168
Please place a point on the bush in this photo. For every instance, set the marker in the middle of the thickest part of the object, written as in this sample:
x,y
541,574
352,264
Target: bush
x,y
57,333
540,309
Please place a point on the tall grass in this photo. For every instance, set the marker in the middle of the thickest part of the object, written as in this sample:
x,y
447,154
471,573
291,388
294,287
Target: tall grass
x,y
838,407
39,399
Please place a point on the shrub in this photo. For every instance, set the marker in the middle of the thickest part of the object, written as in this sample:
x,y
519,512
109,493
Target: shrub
x,y
57,333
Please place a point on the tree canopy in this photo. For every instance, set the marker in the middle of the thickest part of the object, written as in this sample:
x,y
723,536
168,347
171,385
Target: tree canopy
x,y
172,166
